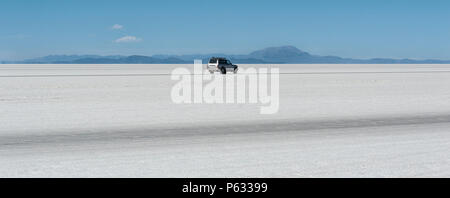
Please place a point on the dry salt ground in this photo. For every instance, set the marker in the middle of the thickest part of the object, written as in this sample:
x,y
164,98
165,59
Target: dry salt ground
x,y
119,121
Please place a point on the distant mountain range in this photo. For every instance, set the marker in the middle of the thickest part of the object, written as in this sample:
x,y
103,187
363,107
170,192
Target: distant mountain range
x,y
283,54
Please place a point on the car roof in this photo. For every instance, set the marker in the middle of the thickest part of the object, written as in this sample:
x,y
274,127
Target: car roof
x,y
219,58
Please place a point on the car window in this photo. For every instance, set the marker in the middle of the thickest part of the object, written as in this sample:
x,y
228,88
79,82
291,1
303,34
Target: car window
x,y
222,62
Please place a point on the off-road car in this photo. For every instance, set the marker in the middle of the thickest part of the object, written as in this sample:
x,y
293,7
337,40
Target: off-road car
x,y
222,65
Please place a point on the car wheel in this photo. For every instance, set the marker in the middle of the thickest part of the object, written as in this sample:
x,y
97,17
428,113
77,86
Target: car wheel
x,y
235,70
223,70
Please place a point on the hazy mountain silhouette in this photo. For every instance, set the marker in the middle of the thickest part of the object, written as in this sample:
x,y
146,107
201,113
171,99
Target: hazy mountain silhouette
x,y
283,54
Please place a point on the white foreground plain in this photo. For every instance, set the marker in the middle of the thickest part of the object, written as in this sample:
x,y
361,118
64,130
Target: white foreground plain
x,y
119,121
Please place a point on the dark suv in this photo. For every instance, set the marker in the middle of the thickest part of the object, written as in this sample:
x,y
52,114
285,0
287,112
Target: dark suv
x,y
221,64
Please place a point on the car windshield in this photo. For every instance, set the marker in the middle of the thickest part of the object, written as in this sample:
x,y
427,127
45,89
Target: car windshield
x,y
212,60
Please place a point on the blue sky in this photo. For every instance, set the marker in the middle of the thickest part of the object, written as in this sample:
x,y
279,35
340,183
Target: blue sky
x,y
347,28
